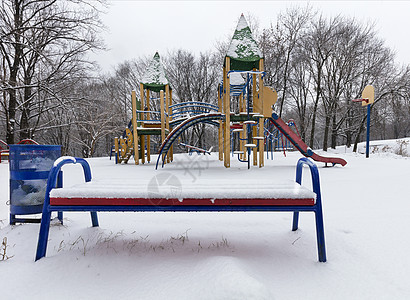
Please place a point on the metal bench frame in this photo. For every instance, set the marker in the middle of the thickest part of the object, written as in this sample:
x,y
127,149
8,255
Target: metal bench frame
x,y
55,177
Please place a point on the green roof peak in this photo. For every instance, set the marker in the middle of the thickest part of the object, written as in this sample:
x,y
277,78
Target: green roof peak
x,y
154,77
243,50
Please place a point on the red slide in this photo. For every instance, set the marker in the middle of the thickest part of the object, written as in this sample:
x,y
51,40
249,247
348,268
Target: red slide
x,y
300,144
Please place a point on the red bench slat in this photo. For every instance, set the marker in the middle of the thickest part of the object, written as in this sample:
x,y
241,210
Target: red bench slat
x,y
168,202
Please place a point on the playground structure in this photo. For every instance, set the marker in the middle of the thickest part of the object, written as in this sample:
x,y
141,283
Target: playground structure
x,y
275,140
192,149
244,110
242,87
149,122
136,136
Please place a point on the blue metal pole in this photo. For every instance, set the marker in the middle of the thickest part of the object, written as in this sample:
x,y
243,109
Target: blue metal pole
x,y
60,185
368,131
248,126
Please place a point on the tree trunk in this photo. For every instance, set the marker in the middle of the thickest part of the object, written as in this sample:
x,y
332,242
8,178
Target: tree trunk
x,y
357,139
11,122
334,132
285,83
312,132
25,114
316,103
326,136
302,129
348,130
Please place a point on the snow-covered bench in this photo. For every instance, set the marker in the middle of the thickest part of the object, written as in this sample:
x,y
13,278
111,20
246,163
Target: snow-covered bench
x,y
94,196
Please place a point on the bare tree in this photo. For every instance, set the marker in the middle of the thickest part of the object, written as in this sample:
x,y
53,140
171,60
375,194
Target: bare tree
x,y
321,64
279,44
300,80
317,48
42,42
194,79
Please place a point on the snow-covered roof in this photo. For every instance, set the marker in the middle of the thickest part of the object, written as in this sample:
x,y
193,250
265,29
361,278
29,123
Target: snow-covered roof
x,y
154,77
243,48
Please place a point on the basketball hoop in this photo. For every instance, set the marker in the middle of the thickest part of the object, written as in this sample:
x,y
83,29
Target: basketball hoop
x,y
361,100
367,99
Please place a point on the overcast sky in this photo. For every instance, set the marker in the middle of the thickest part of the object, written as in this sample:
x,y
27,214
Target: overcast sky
x,y
139,28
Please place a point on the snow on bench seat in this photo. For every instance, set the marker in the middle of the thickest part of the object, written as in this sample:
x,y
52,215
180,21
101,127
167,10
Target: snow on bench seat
x,y
132,194
210,193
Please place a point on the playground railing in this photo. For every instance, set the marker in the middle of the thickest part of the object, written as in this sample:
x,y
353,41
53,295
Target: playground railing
x,y
192,108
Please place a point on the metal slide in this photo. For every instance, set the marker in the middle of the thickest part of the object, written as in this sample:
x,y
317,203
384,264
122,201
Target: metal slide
x,y
300,144
209,118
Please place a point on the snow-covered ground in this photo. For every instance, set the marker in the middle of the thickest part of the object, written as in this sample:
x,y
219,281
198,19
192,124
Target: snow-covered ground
x,y
226,255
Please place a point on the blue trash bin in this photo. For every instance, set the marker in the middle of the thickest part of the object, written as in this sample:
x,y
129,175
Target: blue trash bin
x,y
29,168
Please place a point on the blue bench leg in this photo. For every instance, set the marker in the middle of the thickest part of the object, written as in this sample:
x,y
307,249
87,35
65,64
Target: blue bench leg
x,y
60,217
94,219
12,219
320,236
295,220
43,235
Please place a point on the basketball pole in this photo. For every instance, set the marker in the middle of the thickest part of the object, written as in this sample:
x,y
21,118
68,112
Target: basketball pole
x,y
366,100
368,132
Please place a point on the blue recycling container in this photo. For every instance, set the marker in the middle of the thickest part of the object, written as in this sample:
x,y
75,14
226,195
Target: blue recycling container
x,y
29,168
